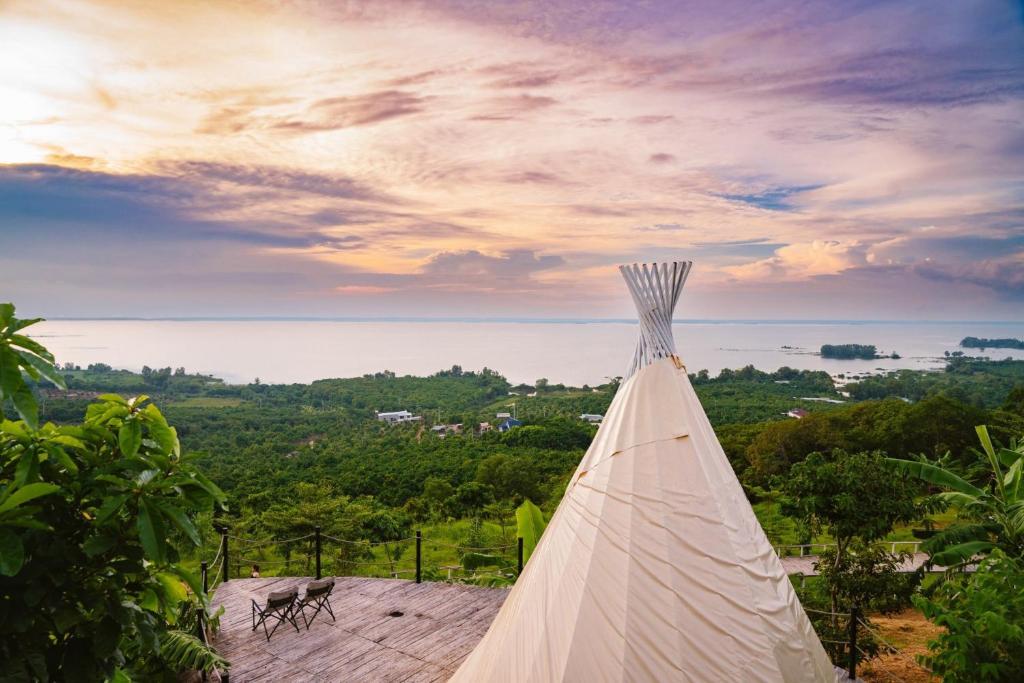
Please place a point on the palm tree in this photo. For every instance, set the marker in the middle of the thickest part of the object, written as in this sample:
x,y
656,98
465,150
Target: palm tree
x,y
992,513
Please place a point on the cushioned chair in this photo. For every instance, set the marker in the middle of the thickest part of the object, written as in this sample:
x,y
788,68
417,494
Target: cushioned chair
x,y
280,608
317,597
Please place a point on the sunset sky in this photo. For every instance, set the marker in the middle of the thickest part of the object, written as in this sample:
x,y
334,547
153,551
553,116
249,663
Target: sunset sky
x,y
825,159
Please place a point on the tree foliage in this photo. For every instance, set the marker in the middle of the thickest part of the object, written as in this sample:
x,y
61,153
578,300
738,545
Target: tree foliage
x,y
983,620
91,517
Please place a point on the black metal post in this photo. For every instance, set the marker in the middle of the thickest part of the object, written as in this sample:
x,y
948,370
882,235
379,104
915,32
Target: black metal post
x,y
854,613
226,574
519,544
318,552
203,569
419,556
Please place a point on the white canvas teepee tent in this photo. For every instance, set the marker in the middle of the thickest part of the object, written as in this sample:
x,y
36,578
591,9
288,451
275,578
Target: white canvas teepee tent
x,y
653,567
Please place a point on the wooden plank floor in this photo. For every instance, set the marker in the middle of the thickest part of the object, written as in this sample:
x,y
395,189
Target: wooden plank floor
x,y
439,626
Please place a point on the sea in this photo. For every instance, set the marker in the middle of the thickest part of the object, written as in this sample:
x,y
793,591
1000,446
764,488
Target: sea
x,y
572,352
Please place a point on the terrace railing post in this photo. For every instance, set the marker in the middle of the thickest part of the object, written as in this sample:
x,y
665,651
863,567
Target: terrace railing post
x,y
224,551
201,621
318,552
853,642
519,553
419,556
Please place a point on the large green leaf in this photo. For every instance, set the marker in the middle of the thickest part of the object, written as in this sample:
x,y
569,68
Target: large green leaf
x,y
129,437
110,507
180,520
530,525
27,493
30,344
151,532
934,475
44,368
12,553
959,554
25,404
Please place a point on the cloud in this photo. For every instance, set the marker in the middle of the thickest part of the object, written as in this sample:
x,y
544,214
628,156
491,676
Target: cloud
x,y
661,158
510,108
39,199
534,177
520,75
334,113
802,261
651,119
1005,275
661,227
277,178
326,114
511,264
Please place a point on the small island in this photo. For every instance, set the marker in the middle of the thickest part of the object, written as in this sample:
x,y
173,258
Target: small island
x,y
851,351
982,343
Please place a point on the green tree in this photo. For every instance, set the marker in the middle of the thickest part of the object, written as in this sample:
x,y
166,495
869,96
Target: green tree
x,y
853,496
90,520
510,477
1015,400
387,528
471,497
437,491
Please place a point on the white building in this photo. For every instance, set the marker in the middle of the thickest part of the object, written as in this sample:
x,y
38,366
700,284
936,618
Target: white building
x,y
398,416
592,418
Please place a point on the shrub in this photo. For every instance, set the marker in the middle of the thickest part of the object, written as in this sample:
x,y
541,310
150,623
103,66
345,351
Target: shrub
x,y
984,620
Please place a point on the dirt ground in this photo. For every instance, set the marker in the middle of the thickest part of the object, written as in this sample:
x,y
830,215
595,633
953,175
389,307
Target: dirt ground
x,y
910,632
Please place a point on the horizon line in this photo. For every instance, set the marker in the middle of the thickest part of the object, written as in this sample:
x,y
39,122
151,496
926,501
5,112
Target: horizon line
x,y
523,320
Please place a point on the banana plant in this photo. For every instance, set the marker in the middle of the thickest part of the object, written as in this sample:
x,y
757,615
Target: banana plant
x,y
530,524
992,513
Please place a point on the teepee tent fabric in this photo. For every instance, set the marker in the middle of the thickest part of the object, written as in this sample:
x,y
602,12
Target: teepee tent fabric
x,y
653,567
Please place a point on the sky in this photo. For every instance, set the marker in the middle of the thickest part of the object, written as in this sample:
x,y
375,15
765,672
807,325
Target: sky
x,y
816,160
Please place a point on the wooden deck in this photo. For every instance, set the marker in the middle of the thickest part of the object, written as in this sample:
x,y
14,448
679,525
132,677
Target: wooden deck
x,y
439,625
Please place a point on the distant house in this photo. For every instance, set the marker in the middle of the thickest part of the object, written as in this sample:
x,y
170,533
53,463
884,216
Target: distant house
x,y
398,416
485,427
509,424
444,430
503,416
591,417
798,413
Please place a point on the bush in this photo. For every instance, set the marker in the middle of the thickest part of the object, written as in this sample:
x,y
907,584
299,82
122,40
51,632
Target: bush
x,y
984,620
91,587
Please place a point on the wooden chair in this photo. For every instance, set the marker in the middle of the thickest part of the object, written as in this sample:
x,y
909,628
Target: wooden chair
x,y
280,607
318,594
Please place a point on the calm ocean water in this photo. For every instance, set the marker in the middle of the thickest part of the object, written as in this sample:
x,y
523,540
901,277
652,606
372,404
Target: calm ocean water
x,y
571,352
